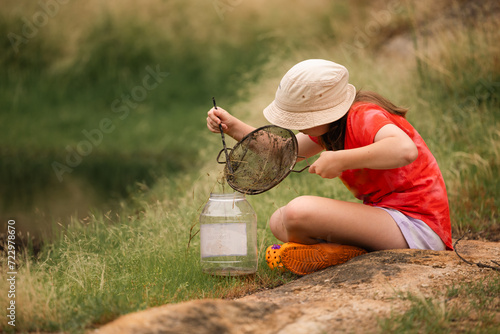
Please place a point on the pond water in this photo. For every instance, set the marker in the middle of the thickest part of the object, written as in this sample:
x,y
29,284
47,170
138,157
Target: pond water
x,y
40,202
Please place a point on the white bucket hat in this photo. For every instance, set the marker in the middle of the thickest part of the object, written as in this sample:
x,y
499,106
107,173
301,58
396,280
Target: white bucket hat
x,y
313,92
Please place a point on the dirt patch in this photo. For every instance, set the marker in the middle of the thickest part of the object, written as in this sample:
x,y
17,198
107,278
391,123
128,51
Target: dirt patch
x,y
345,298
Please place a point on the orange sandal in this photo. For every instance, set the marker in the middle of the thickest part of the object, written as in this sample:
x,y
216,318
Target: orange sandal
x,y
305,259
273,257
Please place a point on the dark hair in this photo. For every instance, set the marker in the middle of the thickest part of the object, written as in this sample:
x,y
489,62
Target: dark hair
x,y
334,138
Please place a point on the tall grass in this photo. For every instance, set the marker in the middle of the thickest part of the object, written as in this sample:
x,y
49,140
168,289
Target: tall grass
x,y
65,79
459,76
469,307
105,266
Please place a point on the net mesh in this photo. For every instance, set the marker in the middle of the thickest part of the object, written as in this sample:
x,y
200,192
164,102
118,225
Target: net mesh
x,y
261,160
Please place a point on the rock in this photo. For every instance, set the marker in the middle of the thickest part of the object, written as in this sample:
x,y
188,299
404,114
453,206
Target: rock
x,y
344,298
199,316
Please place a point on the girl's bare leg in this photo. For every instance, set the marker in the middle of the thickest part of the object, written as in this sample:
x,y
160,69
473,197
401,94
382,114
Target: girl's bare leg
x,y
310,219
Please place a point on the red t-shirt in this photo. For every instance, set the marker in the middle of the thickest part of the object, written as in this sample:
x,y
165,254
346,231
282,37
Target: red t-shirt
x,y
417,189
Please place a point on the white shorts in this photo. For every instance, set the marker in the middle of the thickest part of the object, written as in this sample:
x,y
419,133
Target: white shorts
x,y
417,234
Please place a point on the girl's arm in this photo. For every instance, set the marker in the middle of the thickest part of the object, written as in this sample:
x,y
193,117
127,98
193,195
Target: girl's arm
x,y
237,129
231,125
392,148
307,148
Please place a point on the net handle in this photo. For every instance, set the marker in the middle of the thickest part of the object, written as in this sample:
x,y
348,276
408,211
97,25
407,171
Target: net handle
x,y
225,149
228,149
300,170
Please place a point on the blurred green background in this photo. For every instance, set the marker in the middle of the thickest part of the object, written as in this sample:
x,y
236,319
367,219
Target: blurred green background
x,y
147,71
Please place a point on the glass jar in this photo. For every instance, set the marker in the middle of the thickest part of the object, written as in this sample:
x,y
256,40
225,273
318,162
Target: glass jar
x,y
228,236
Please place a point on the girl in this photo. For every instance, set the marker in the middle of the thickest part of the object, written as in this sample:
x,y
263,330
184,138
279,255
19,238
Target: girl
x,y
378,155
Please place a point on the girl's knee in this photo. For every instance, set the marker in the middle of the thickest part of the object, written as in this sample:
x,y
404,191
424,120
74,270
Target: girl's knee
x,y
296,212
276,224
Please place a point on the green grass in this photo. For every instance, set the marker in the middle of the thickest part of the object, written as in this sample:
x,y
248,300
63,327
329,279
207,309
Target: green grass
x,y
143,126
107,265
157,166
464,308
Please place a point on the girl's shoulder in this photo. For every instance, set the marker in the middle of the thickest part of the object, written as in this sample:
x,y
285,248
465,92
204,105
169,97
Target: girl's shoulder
x,y
364,106
364,121
369,112
364,111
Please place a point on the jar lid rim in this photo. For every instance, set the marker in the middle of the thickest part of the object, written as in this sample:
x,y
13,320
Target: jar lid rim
x,y
228,195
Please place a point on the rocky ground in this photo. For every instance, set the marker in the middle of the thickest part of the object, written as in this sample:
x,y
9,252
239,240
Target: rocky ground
x,y
341,299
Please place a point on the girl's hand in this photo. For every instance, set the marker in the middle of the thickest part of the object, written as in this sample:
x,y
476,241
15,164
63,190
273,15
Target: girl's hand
x,y
216,117
231,125
328,166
